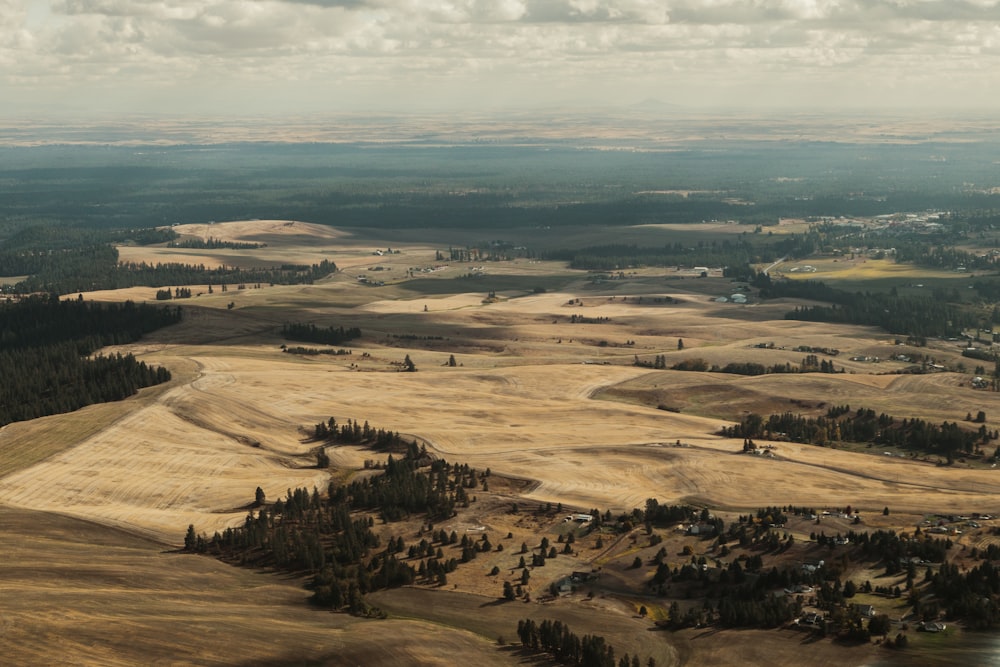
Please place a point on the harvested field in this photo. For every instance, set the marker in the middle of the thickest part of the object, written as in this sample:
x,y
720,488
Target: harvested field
x,y
537,395
74,591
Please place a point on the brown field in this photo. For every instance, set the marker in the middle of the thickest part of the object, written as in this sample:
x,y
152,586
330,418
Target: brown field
x,y
98,493
80,593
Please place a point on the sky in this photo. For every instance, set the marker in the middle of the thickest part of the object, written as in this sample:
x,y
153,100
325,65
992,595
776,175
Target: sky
x,y
273,57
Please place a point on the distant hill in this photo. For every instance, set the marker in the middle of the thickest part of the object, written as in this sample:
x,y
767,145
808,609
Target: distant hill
x,y
653,104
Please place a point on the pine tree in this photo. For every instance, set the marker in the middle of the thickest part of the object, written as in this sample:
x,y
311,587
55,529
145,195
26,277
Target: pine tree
x,y
190,539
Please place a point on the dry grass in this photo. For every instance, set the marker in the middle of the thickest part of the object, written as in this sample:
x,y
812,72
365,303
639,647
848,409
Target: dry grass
x,y
74,592
523,401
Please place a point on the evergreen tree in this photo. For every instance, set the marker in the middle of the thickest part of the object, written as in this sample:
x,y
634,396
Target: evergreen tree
x,y
408,365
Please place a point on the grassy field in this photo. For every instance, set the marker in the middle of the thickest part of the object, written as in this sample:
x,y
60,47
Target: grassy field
x,y
864,274
81,593
544,390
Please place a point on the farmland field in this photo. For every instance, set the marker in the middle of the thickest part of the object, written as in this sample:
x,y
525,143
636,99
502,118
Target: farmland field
x,y
544,391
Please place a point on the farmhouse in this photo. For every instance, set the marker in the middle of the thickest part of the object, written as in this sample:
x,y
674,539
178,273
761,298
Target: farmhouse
x,y
932,627
799,589
701,529
811,567
866,610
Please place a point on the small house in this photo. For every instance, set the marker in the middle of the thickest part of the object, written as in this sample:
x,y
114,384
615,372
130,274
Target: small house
x,y
866,610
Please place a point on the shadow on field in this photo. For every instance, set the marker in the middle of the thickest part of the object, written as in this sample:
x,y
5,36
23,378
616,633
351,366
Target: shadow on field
x,y
527,656
495,603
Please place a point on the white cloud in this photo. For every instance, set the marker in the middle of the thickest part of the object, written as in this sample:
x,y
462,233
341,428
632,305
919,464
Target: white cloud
x,y
413,52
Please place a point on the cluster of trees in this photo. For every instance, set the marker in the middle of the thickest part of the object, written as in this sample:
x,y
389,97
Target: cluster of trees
x,y
864,425
212,243
403,491
312,351
61,270
988,290
656,514
972,595
894,551
353,432
178,293
330,537
485,251
738,255
580,319
410,336
44,343
72,259
744,593
659,362
939,256
810,364
556,639
97,267
741,594
41,249
915,316
310,333
754,605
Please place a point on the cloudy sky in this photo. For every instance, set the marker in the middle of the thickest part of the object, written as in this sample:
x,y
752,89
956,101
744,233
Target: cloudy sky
x,y
287,56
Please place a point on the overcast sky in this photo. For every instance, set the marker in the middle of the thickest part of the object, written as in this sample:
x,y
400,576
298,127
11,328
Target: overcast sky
x,y
289,56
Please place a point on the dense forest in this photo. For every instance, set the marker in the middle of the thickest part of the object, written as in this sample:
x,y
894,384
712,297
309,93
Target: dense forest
x,y
526,184
69,259
44,343
916,317
97,267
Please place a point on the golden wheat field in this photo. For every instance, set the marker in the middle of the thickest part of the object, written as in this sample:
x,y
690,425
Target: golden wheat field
x,y
104,494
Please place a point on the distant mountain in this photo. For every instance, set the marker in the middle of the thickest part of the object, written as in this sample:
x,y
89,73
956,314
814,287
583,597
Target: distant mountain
x,y
653,104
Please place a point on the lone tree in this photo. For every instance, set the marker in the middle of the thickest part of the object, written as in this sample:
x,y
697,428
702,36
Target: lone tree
x,y
322,458
190,539
258,498
680,343
451,361
508,591
408,366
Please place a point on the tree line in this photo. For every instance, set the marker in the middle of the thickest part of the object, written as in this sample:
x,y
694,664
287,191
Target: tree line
x,y
568,648
212,243
809,364
863,425
310,333
97,267
44,348
915,316
39,249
